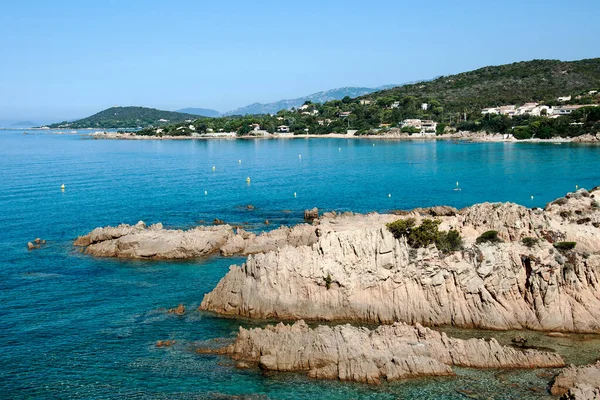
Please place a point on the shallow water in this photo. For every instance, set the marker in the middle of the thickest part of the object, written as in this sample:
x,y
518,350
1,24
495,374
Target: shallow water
x,y
76,327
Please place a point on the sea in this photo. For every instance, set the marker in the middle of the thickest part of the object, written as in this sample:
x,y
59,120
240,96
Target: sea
x,y
77,327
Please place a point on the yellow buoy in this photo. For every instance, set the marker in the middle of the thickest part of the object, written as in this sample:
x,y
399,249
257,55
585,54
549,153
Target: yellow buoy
x,y
214,168
62,186
248,180
576,187
294,194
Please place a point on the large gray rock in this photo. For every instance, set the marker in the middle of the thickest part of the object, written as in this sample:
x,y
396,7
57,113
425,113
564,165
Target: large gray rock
x,y
357,270
389,352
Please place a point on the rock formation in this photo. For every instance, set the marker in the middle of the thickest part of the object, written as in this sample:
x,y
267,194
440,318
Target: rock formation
x,y
357,270
389,352
155,242
578,383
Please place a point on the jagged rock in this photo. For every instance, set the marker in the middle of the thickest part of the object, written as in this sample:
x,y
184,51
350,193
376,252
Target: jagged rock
x,y
165,343
578,383
155,242
389,352
310,215
31,246
376,278
218,221
179,310
250,207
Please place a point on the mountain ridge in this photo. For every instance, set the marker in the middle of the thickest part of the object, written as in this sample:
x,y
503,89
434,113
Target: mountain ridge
x,y
317,97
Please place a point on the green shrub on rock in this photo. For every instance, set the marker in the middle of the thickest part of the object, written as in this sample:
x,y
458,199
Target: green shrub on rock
x,y
426,234
488,237
529,241
564,246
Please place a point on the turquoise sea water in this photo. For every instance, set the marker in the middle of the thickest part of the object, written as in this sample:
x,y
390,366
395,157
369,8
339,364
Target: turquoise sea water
x,y
76,327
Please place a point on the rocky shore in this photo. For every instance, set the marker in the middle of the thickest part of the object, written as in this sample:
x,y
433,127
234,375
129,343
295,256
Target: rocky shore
x,y
358,271
578,383
154,242
390,352
392,134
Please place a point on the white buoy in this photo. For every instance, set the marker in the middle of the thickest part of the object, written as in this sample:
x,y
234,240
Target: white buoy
x,y
390,195
214,168
457,188
62,187
300,156
239,161
531,197
294,194
373,144
205,192
339,149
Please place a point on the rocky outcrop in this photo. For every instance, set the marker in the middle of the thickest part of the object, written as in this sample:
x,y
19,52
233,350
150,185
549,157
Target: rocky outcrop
x,y
357,270
388,353
155,242
578,383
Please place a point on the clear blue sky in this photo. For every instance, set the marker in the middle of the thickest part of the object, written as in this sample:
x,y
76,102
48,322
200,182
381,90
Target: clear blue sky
x,y
71,58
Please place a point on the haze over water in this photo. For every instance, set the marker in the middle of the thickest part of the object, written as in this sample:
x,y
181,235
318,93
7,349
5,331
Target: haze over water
x,y
74,326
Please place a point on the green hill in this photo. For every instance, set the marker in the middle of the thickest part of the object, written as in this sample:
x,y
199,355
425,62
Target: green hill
x,y
126,117
536,80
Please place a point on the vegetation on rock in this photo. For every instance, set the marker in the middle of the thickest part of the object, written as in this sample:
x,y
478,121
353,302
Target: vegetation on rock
x,y
426,234
488,237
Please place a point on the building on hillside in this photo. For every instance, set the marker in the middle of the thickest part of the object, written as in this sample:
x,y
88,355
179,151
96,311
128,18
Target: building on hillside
x,y
283,129
411,123
365,102
564,98
424,106
428,126
491,110
345,114
592,92
395,104
163,120
385,125
566,110
255,127
304,107
507,110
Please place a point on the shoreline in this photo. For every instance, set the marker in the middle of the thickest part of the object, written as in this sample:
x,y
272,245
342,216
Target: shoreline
x,y
475,137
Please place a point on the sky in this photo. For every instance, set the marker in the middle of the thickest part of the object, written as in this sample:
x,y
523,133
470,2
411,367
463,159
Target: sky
x,y
66,59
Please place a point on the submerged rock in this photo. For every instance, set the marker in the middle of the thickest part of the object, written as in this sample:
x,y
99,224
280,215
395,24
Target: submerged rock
x,y
179,310
357,270
390,352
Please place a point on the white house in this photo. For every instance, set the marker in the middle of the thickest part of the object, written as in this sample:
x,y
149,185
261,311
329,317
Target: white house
x,y
365,102
345,113
424,106
283,129
491,110
163,120
508,110
428,126
564,98
304,107
255,127
395,104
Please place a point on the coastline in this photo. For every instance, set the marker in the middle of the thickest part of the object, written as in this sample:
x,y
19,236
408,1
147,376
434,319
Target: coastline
x,y
476,137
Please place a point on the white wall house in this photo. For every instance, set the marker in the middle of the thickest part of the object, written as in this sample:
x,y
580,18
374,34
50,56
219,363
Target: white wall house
x,y
283,129
564,98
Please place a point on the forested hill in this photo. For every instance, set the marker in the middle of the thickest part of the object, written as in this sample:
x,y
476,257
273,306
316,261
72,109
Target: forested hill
x,y
516,83
126,117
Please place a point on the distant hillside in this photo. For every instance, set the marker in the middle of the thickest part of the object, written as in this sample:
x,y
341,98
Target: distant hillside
x,y
126,117
23,124
203,112
516,83
319,97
